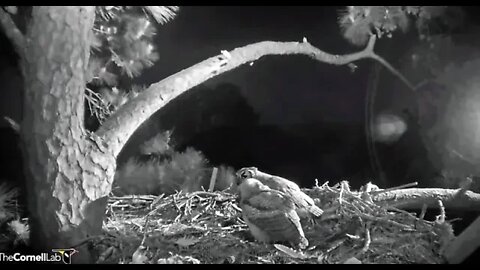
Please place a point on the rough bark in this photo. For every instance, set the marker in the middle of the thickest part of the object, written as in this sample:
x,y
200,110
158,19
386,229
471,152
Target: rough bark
x,y
415,198
68,174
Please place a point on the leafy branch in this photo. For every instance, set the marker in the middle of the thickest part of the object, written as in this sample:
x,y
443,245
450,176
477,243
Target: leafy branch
x,y
97,105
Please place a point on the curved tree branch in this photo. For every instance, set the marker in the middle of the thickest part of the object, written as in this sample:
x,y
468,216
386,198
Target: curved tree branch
x,y
415,198
12,32
371,43
394,71
120,126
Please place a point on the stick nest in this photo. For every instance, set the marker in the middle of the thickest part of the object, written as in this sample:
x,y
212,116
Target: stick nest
x,y
207,227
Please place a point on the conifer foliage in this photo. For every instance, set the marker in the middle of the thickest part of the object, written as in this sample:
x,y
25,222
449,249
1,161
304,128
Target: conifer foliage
x,y
122,47
358,22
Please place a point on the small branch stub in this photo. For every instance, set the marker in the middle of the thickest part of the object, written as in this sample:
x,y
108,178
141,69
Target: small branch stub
x,y
213,179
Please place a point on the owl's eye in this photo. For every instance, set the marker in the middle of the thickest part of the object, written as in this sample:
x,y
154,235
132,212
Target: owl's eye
x,y
247,174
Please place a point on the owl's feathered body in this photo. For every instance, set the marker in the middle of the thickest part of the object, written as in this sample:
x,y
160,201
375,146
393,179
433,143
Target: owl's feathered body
x,y
304,204
270,214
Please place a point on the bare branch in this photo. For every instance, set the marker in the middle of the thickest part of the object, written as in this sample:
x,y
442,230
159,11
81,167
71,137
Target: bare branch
x,y
394,71
415,198
371,43
424,211
409,185
121,125
12,123
12,32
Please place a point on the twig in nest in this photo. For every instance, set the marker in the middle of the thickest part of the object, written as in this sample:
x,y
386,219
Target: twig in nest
x,y
147,218
345,186
441,218
424,211
336,245
153,206
118,205
392,208
157,200
210,205
132,197
409,185
368,240
354,237
204,193
188,207
174,202
361,205
384,220
340,194
234,206
196,217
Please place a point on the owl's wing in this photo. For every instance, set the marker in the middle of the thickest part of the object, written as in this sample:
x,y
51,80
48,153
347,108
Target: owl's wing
x,y
275,181
302,201
271,200
274,213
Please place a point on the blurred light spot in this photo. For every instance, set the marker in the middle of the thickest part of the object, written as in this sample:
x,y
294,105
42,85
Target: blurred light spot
x,y
388,128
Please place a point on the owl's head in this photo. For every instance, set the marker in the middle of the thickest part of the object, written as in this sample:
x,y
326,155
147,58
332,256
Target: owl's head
x,y
245,173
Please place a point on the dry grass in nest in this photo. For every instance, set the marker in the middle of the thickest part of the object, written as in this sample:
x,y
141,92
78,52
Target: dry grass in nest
x,y
206,227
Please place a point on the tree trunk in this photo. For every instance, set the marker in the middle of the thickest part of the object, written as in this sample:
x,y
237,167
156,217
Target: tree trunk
x,y
68,173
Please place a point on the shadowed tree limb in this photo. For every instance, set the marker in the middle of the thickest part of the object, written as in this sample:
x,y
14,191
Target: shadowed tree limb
x,y
12,32
120,126
415,198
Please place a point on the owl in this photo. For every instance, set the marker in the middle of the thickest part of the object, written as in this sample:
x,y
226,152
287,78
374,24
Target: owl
x,y
270,214
304,205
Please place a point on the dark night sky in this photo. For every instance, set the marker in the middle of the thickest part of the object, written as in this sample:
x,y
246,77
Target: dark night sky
x,y
285,90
